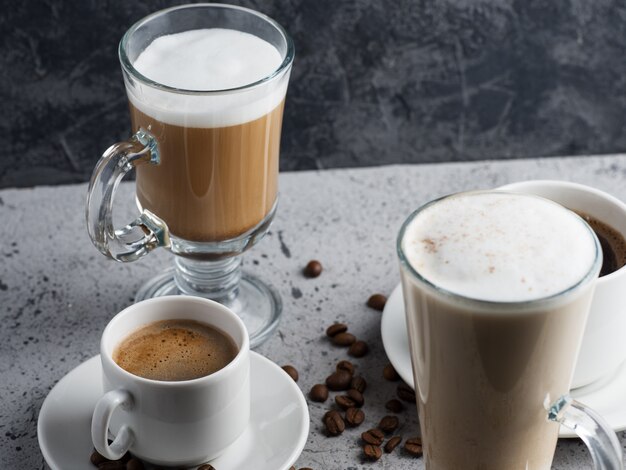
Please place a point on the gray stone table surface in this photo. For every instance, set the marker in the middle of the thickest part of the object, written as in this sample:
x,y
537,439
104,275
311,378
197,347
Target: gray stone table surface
x,y
57,292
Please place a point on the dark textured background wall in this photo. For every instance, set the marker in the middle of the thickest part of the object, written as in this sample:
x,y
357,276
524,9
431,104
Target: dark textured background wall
x,y
374,82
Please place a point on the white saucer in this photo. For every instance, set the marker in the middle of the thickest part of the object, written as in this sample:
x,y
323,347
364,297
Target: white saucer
x,y
279,421
606,397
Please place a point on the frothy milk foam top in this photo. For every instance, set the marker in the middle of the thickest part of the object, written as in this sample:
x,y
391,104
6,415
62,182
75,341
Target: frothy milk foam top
x,y
499,247
208,60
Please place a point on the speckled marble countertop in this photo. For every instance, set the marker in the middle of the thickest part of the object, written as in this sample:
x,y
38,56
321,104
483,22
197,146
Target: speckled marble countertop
x,y
57,292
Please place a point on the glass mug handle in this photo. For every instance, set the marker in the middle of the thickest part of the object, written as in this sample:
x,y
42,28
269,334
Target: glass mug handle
x,y
602,442
145,233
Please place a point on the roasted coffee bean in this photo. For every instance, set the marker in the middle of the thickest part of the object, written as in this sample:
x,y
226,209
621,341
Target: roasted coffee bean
x,y
356,397
344,402
293,373
372,452
373,436
336,328
388,424
413,446
377,302
392,444
394,405
358,349
136,464
347,366
97,459
390,373
112,465
206,466
312,269
354,417
319,393
344,339
339,380
405,393
358,383
334,423
292,468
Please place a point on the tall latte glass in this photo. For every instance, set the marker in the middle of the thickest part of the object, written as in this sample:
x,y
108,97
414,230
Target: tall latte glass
x,y
497,288
206,85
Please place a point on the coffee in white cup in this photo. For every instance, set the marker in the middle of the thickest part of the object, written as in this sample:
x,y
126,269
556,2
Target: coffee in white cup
x,y
603,348
172,422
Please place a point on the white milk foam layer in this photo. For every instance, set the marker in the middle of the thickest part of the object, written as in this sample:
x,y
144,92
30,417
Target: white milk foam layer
x,y
208,60
499,247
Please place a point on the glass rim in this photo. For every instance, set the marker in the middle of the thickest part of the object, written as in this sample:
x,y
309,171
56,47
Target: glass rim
x,y
591,273
128,67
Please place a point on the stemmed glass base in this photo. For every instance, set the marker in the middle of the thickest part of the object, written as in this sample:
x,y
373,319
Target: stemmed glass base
x,y
257,304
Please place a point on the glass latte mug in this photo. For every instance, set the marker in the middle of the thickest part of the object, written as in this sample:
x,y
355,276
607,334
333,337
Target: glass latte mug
x,y
206,85
497,288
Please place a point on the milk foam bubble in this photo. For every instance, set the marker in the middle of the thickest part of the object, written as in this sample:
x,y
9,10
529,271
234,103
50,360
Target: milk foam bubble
x,y
499,246
208,60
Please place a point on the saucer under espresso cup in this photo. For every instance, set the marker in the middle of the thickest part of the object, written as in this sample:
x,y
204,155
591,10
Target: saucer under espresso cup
x,y
605,396
273,439
603,349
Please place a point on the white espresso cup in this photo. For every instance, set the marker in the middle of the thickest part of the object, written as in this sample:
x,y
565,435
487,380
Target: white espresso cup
x,y
603,348
182,423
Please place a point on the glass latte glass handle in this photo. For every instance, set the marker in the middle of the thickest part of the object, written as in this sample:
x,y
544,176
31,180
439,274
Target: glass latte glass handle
x,y
602,442
145,233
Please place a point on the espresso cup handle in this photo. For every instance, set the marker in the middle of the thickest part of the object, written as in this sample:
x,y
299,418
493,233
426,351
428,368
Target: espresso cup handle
x,y
145,233
100,425
602,442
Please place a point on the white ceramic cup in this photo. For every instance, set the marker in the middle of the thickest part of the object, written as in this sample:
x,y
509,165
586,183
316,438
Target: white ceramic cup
x,y
182,423
603,348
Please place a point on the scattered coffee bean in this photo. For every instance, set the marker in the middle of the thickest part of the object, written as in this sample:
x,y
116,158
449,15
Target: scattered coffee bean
x,y
292,468
358,383
414,446
358,349
334,423
390,373
389,424
392,444
354,417
377,302
339,380
405,393
335,329
136,464
313,268
112,465
347,366
344,402
356,397
372,452
373,436
344,339
206,466
319,393
97,458
293,373
394,405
